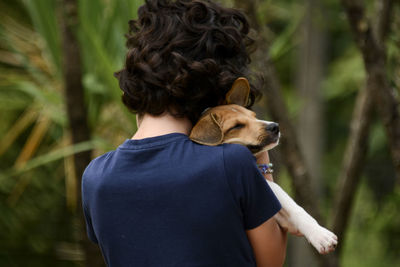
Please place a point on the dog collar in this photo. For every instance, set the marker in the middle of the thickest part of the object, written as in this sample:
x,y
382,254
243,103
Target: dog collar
x,y
266,168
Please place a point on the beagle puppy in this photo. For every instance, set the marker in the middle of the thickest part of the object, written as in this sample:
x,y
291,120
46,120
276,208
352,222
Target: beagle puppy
x,y
232,123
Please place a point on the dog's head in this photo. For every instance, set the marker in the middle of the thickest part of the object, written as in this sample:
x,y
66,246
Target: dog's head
x,y
232,123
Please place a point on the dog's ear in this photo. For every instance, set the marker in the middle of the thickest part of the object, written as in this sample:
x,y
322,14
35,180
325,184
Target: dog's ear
x,y
239,93
207,131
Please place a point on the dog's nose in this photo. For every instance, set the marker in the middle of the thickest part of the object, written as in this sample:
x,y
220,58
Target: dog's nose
x,y
273,127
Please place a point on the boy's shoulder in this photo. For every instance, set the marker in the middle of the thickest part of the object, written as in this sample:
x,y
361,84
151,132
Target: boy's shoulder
x,y
97,164
237,153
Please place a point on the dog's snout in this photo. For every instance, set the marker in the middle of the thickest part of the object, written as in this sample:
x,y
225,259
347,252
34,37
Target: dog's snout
x,y
273,127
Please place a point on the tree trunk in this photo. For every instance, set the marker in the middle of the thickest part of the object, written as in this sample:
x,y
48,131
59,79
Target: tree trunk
x,y
356,149
77,115
350,174
374,56
309,121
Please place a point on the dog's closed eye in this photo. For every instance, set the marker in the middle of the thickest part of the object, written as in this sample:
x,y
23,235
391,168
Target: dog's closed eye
x,y
236,127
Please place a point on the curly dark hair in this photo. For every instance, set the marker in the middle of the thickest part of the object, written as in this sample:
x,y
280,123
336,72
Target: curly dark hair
x,y
184,56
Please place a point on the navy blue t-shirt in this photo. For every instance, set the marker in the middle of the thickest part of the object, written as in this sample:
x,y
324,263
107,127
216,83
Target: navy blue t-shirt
x,y
167,201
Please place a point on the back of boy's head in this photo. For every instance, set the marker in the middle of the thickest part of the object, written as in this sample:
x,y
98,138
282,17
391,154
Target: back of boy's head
x,y
183,57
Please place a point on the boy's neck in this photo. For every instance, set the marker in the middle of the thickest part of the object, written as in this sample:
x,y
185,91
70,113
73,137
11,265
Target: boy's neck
x,y
151,126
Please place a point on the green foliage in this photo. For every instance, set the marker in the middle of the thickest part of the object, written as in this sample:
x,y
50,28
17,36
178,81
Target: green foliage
x,y
35,189
372,238
373,234
45,23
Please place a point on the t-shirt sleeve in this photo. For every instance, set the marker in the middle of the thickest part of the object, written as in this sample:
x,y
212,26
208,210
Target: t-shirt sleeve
x,y
89,226
85,201
251,192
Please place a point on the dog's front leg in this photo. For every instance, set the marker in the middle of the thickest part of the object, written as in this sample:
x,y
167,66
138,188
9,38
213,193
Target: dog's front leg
x,y
297,221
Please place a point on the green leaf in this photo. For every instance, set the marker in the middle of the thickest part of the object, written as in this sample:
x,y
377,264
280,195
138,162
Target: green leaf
x,y
51,157
43,15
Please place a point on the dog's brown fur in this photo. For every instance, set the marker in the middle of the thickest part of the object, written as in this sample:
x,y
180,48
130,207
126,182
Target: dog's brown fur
x,y
232,123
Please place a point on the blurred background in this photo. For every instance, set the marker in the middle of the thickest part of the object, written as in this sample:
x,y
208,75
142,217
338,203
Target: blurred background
x,y
60,106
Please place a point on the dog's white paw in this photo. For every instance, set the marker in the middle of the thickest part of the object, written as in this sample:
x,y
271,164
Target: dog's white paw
x,y
322,239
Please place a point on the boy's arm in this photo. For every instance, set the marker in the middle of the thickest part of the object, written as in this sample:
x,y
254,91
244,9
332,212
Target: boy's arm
x,y
268,240
269,244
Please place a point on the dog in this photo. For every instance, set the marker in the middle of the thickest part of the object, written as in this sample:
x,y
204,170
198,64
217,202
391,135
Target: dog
x,y
232,123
